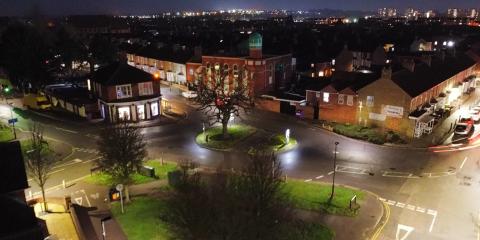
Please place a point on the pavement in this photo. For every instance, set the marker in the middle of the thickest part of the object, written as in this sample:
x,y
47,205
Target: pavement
x,y
59,222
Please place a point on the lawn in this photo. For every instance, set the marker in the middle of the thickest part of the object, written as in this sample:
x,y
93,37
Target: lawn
x,y
6,133
359,132
313,196
236,132
161,172
141,219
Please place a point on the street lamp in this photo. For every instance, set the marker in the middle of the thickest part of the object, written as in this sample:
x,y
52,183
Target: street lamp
x,y
103,220
287,136
334,171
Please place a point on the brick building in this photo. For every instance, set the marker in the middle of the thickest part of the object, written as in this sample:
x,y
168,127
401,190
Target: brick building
x,y
406,100
260,73
126,93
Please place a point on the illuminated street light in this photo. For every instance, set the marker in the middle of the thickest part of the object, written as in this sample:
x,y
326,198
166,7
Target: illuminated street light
x,y
334,171
287,135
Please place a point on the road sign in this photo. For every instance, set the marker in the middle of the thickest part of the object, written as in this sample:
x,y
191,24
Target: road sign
x,y
12,120
119,187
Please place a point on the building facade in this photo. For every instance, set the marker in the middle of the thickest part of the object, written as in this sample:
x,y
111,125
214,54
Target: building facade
x,y
126,93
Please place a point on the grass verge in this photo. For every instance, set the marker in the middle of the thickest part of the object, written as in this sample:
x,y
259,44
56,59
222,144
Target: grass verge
x,y
236,132
141,219
313,196
6,134
161,172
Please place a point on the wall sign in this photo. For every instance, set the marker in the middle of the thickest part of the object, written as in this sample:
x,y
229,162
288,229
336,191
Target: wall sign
x,y
377,116
393,111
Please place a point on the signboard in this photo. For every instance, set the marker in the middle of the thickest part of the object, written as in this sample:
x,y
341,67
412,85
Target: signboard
x,y
393,111
377,116
12,121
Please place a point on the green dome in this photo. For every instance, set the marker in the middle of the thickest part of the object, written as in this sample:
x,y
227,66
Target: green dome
x,y
255,40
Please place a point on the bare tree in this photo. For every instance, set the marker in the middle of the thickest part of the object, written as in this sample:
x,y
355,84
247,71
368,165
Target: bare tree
x,y
219,98
122,150
39,159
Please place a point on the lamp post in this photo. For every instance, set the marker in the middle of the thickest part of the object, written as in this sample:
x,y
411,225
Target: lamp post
x,y
334,171
103,220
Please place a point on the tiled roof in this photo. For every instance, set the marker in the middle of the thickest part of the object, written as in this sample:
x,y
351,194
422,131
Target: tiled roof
x,y
120,73
166,54
425,77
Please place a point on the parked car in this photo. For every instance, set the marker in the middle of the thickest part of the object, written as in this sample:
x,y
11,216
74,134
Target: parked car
x,y
463,128
189,94
35,101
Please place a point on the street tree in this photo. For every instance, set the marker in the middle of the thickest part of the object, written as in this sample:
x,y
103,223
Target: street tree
x,y
222,95
69,48
122,151
39,159
101,50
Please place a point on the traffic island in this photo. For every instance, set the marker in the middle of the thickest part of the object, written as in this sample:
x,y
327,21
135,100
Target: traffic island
x,y
213,139
276,144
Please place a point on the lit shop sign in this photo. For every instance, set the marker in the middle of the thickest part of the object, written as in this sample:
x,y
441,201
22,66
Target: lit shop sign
x,y
377,116
393,111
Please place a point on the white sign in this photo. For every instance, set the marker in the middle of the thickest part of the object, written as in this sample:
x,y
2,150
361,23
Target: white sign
x,y
119,187
405,228
393,111
377,116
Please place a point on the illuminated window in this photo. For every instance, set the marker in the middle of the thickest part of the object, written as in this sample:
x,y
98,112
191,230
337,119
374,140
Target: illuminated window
x,y
321,74
350,100
326,96
124,113
145,88
154,108
141,112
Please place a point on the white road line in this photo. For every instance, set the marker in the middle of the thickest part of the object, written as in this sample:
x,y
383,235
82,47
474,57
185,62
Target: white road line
x,y
65,130
390,202
308,180
330,173
60,186
410,207
433,220
88,201
401,205
318,177
382,199
478,226
463,163
419,209
50,173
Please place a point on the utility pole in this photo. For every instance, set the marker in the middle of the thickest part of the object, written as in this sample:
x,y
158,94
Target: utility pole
x,y
334,171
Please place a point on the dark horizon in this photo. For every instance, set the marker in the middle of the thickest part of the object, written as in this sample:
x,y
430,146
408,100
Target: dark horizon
x,y
125,7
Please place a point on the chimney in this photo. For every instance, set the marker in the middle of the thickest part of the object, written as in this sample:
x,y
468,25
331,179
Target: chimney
x,y
409,64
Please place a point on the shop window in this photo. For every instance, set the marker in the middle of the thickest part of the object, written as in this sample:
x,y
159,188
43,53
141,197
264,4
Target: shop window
x,y
124,113
154,108
341,99
141,112
124,91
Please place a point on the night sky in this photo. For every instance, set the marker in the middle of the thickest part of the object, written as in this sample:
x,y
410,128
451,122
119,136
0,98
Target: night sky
x,y
63,7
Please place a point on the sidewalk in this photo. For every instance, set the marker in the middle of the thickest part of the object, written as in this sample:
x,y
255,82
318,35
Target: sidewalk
x,y
59,222
360,227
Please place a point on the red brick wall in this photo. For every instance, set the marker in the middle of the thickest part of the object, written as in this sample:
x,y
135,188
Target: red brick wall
x,y
267,104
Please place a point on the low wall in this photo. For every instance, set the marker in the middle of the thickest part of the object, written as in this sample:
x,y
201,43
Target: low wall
x,y
82,222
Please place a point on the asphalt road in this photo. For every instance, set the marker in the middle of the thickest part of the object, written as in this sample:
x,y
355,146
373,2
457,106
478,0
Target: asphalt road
x,y
430,195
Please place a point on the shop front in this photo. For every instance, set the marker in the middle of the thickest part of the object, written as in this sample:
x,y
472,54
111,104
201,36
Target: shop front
x,y
134,111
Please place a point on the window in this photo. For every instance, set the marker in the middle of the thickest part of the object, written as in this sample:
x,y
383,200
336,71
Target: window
x,y
124,113
225,68
235,70
369,101
154,108
341,99
141,112
326,96
350,100
190,71
124,91
145,88
270,80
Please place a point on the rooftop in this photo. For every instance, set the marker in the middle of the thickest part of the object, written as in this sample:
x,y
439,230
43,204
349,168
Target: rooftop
x,y
120,73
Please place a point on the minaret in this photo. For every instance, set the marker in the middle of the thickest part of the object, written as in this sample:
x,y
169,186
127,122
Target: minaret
x,y
255,45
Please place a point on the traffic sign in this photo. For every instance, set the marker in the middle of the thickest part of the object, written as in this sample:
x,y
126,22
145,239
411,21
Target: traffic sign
x,y
119,187
12,120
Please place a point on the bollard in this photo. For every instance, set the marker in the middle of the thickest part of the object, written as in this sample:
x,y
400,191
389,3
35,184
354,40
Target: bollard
x,y
64,184
30,194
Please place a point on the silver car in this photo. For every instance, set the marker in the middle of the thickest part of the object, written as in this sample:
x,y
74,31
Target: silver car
x,y
463,128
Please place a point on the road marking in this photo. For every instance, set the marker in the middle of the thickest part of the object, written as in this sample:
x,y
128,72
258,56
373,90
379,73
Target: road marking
x,y
79,200
390,202
58,187
387,217
50,173
399,174
65,130
478,226
308,180
401,205
318,177
382,199
406,228
410,207
86,197
419,209
434,214
352,170
463,163
330,173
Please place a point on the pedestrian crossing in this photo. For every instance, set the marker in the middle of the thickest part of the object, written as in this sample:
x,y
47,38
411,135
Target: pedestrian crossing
x,y
87,150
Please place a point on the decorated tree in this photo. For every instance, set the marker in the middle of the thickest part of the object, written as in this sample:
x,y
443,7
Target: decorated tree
x,y
223,94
